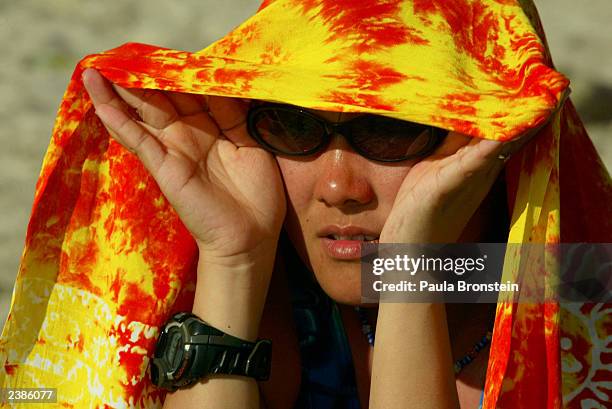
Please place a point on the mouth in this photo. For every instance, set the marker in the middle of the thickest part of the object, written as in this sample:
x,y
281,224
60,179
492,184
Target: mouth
x,y
345,242
358,237
349,232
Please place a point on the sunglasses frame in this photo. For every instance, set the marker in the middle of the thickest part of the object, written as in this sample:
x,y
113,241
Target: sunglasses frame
x,y
330,128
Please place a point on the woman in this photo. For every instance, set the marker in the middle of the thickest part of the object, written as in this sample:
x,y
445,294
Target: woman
x,y
228,192
104,242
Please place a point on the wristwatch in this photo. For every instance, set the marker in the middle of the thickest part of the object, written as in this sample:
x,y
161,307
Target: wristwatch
x,y
189,349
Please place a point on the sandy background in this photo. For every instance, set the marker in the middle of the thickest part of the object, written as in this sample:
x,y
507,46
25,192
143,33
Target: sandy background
x,y
41,42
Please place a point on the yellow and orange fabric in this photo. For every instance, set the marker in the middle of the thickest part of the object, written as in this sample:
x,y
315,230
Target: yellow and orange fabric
x,y
107,260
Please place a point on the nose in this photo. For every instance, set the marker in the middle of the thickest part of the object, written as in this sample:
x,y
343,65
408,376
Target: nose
x,y
342,180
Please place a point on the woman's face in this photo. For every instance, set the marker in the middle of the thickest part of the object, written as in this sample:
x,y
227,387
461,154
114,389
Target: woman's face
x,y
337,192
340,193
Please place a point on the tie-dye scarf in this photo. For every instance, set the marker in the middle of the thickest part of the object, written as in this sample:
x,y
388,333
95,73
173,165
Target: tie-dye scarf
x,y
107,260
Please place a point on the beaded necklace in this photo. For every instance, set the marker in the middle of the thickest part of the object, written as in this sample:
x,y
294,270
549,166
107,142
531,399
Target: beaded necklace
x,y
461,363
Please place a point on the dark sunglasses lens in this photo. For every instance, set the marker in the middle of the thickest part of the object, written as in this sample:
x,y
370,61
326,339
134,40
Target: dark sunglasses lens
x,y
390,139
287,131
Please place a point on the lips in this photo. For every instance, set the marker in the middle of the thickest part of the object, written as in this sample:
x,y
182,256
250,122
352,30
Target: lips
x,y
344,243
359,237
350,232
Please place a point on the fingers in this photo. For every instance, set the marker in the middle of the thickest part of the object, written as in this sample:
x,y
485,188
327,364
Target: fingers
x,y
230,114
460,144
134,137
112,111
177,120
153,106
475,163
456,143
480,156
451,144
480,160
474,167
187,104
160,109
100,90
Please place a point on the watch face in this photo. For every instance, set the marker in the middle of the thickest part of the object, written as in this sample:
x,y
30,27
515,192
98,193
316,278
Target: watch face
x,y
174,350
173,358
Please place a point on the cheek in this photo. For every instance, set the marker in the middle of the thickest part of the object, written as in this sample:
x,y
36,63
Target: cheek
x,y
387,182
299,182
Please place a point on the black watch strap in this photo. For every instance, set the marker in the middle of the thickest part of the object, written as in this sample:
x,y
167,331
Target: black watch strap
x,y
248,359
189,349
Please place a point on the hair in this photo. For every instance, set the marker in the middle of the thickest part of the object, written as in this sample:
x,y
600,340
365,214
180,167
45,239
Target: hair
x,y
495,206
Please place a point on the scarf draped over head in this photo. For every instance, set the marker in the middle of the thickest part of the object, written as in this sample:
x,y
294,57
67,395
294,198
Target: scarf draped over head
x,y
107,260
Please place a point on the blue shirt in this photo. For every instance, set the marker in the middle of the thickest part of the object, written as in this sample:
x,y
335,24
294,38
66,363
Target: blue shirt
x,y
328,376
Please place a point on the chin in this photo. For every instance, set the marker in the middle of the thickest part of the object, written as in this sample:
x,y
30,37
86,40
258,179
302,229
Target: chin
x,y
341,281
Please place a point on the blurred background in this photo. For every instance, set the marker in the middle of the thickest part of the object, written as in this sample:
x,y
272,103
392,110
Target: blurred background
x,y
41,41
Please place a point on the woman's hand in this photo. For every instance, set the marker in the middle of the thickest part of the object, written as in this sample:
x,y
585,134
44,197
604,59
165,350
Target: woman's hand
x,y
227,191
440,194
436,200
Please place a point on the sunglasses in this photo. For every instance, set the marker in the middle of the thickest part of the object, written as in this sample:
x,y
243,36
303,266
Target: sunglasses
x,y
293,131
